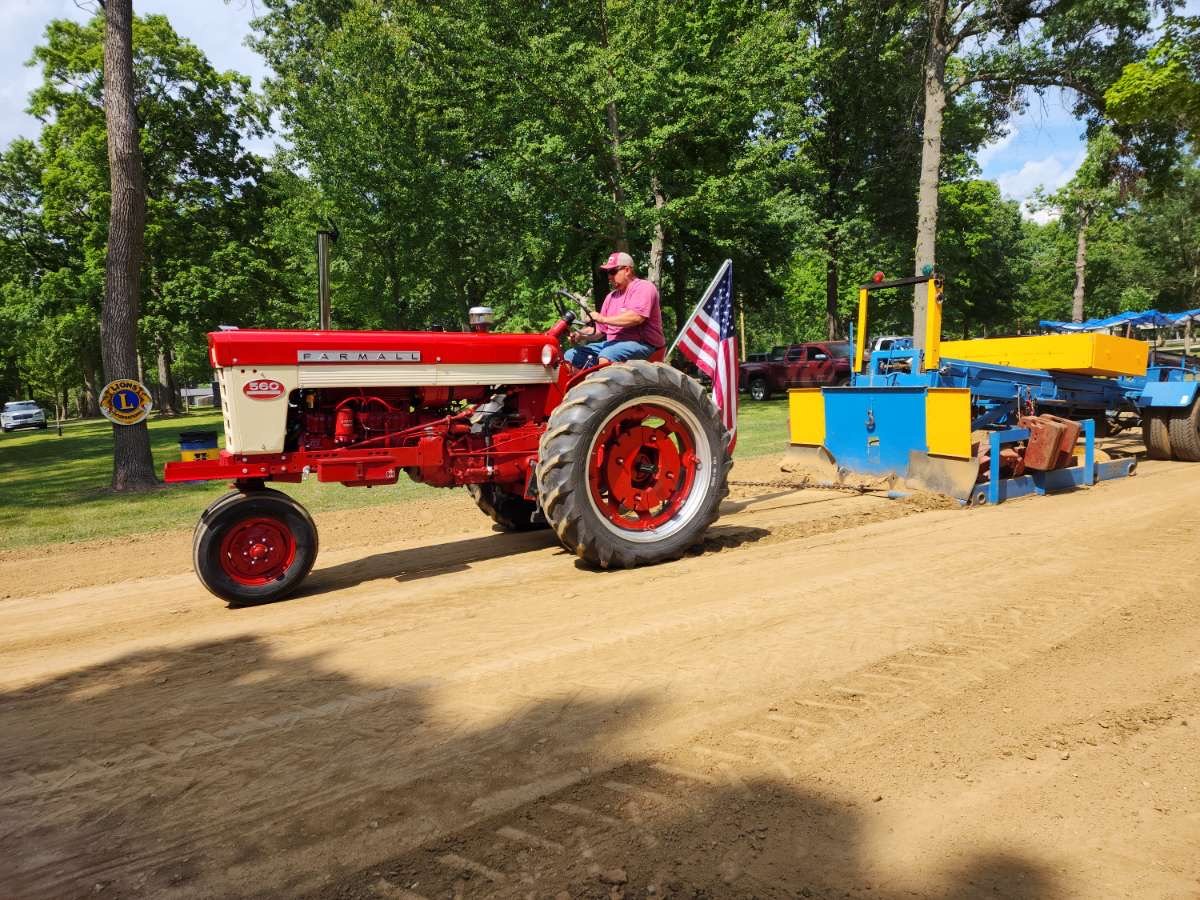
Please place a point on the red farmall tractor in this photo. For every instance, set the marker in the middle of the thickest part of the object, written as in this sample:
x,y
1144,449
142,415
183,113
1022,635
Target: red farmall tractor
x,y
626,462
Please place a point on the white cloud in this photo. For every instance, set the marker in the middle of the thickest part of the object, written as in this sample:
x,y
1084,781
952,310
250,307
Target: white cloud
x,y
1048,173
988,152
1042,216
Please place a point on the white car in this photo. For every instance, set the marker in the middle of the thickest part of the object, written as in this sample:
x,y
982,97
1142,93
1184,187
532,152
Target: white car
x,y
22,414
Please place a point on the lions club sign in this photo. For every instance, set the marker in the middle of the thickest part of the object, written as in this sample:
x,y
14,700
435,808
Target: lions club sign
x,y
125,401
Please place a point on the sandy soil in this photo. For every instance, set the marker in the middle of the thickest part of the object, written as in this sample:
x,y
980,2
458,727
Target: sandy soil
x,y
837,695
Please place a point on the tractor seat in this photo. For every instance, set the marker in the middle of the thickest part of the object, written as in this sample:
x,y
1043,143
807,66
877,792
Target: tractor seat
x,y
658,355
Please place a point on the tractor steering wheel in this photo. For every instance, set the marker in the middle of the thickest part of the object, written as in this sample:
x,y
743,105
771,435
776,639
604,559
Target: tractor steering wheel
x,y
580,321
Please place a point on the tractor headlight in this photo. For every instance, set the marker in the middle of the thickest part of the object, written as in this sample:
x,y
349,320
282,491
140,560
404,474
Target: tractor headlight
x,y
549,355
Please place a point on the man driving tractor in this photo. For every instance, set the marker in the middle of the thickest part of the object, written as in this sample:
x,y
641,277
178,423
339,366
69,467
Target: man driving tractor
x,y
629,324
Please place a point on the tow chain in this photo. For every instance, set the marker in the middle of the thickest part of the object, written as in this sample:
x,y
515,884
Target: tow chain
x,y
812,485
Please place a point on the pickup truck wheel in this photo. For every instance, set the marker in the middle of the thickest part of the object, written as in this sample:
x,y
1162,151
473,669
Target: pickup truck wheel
x,y
510,511
1185,433
254,547
633,465
759,389
1156,435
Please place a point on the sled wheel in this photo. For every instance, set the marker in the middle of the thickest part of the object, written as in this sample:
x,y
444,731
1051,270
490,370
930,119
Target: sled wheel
x,y
1156,435
254,547
1185,433
759,389
510,511
633,465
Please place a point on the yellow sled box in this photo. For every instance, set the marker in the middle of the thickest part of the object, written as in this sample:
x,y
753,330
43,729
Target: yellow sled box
x,y
1082,354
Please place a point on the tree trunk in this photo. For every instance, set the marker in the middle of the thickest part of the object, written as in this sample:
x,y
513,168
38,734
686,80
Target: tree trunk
x,y
133,466
620,239
658,246
1080,265
89,402
169,404
831,285
679,289
931,159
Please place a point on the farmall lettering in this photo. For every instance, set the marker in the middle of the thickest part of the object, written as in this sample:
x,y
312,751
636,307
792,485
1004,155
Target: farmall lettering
x,y
358,356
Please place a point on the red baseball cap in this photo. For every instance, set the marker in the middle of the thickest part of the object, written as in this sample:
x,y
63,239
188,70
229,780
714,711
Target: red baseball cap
x,y
617,261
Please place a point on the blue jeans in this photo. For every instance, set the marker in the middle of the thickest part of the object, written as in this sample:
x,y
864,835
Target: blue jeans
x,y
584,356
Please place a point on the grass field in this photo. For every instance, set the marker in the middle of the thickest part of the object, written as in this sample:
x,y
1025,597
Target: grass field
x,y
55,489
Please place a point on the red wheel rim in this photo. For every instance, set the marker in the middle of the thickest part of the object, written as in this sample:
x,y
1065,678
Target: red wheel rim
x,y
642,467
257,551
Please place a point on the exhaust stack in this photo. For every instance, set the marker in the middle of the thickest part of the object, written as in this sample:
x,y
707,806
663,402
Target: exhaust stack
x,y
324,238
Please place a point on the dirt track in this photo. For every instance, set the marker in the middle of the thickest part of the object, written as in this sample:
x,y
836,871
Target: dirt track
x,y
841,695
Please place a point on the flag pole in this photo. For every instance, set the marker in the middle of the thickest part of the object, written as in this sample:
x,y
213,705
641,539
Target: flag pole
x,y
712,286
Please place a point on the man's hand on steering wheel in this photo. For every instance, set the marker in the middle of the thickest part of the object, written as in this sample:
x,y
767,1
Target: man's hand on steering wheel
x,y
580,321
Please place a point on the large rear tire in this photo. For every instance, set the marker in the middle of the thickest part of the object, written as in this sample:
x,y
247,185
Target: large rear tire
x,y
633,465
254,547
1185,433
1156,435
510,511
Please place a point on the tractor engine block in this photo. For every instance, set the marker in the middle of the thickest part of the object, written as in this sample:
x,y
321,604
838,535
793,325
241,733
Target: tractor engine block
x,y
329,419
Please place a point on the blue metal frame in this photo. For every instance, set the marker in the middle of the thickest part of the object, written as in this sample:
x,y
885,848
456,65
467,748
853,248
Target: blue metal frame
x,y
1000,489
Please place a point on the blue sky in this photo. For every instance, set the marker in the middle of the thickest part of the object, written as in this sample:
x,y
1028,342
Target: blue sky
x,y
1044,145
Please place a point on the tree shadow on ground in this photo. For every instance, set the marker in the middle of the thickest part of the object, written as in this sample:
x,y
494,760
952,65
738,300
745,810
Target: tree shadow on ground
x,y
228,769
642,831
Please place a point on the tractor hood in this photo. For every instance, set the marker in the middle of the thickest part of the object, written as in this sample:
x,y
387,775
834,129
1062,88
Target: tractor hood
x,y
265,347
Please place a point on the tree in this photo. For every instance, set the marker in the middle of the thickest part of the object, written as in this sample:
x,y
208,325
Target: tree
x,y
478,152
133,465
1164,88
1092,191
207,253
1001,48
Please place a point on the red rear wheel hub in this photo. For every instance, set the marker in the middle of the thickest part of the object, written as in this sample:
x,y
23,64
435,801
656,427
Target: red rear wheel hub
x,y
257,551
642,467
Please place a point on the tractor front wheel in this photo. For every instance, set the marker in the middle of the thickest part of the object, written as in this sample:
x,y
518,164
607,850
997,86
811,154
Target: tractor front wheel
x,y
254,546
511,512
633,465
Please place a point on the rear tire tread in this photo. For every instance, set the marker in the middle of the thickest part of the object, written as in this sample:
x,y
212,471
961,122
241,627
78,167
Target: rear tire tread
x,y
510,511
1156,435
563,486
1185,433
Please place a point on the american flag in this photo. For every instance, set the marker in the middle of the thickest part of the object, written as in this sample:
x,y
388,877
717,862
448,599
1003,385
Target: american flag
x,y
709,341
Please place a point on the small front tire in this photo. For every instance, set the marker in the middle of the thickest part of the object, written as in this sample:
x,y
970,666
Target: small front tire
x,y
759,389
254,547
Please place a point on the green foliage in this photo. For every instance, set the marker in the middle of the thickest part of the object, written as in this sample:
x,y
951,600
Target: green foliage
x,y
206,254
1164,88
478,152
980,250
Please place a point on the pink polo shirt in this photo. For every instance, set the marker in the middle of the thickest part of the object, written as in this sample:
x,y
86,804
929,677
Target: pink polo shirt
x,y
640,296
